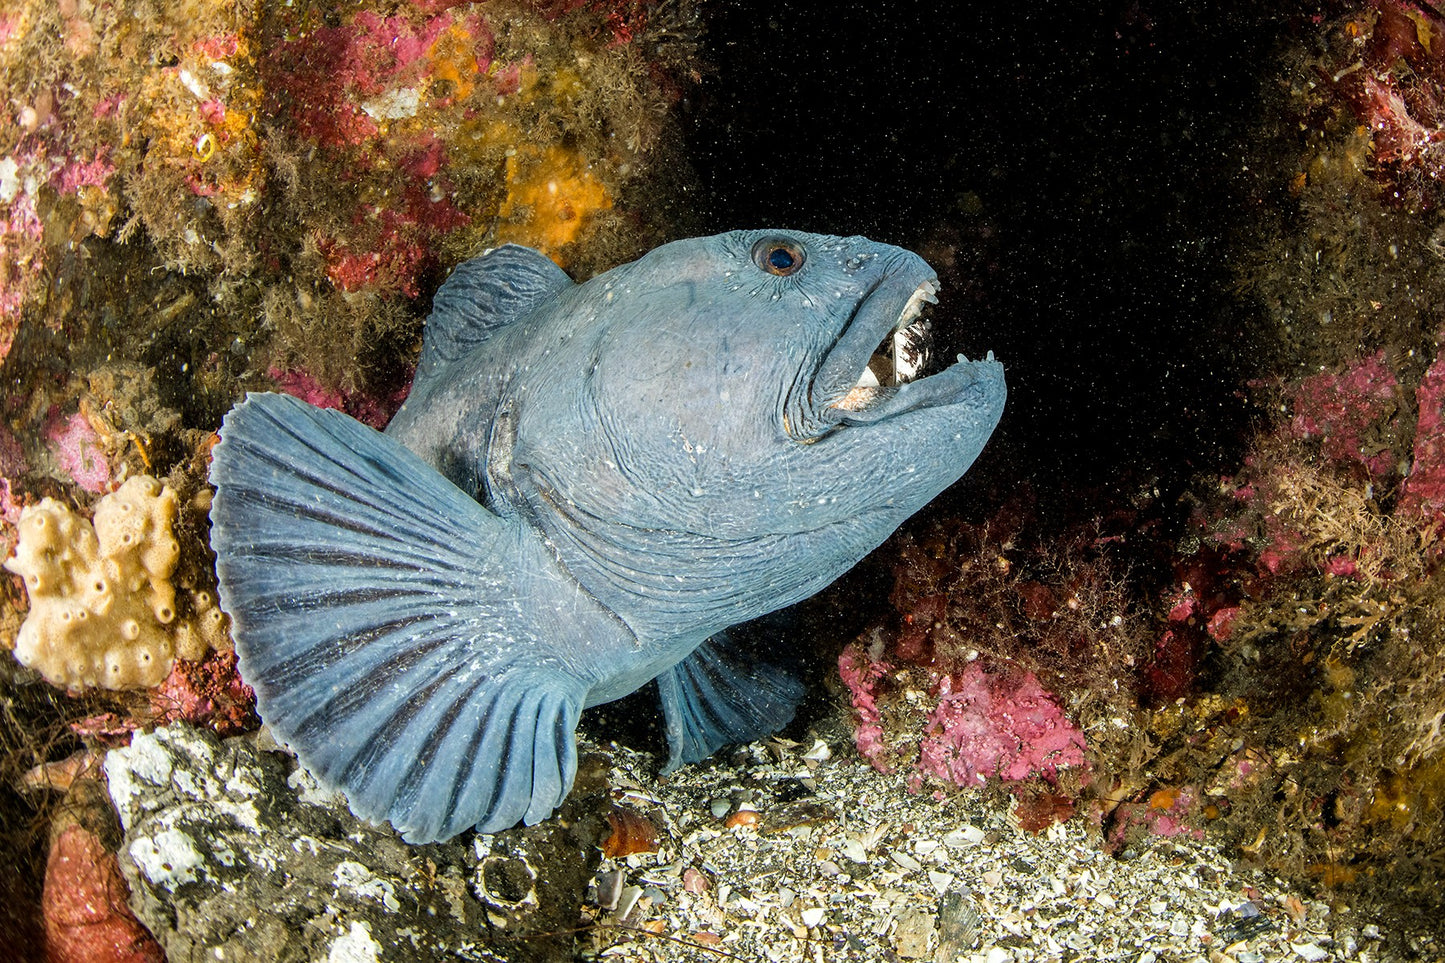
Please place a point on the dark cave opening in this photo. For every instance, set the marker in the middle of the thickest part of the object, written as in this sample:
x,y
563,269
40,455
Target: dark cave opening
x,y
1073,171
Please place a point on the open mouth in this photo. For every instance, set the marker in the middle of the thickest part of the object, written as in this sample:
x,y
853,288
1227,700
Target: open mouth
x,y
901,356
883,364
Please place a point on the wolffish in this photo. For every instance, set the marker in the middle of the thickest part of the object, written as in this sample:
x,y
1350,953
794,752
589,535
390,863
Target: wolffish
x,y
587,486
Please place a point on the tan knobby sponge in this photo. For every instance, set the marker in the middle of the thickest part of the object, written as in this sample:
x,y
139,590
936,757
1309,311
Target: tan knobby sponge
x,y
101,597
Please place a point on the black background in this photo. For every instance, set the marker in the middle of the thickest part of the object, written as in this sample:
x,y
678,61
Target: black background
x,y
1074,171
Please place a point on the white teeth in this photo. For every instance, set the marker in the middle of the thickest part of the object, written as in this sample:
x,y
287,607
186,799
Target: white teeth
x,y
902,356
924,294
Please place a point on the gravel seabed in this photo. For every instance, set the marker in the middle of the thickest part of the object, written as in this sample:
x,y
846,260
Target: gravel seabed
x,y
832,860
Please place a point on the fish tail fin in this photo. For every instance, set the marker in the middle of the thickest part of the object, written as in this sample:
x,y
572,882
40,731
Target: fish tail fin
x,y
377,614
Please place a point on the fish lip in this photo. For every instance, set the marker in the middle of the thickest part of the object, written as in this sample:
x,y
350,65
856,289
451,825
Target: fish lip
x,y
886,308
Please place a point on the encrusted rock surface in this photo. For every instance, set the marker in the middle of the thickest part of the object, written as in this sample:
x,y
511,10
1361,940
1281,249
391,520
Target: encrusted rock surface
x,y
234,853
773,852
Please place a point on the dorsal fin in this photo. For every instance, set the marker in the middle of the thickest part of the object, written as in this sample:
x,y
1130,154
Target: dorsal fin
x,y
482,295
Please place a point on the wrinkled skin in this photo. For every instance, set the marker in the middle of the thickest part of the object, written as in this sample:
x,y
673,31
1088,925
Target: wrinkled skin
x,y
704,410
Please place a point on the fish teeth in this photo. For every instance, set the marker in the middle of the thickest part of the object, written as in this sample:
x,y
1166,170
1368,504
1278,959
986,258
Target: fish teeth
x,y
925,293
903,354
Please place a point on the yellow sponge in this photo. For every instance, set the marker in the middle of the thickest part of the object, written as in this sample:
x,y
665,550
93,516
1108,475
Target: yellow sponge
x,y
101,597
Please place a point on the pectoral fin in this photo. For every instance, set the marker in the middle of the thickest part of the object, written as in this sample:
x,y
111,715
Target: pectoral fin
x,y
721,694
383,618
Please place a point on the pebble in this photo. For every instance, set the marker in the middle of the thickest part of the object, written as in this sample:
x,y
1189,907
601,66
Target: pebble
x,y
874,871
914,933
964,837
741,818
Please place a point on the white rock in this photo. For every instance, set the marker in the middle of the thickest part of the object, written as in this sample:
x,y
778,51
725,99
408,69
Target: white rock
x,y
963,837
9,179
168,859
355,946
394,104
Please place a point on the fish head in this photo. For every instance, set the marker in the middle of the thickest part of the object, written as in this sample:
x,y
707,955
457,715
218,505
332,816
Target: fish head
x,y
759,382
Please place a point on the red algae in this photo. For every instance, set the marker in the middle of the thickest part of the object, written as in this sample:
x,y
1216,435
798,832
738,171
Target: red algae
x,y
86,906
208,693
1397,88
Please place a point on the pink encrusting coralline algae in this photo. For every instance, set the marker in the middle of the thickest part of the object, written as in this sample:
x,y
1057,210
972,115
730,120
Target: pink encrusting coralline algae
x,y
861,674
368,410
1005,725
86,905
208,693
1424,489
78,452
1342,408
980,724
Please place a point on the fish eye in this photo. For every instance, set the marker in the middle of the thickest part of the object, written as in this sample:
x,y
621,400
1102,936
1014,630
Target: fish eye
x,y
778,256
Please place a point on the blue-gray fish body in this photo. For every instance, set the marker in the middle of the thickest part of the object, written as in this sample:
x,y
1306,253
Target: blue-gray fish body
x,y
588,485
